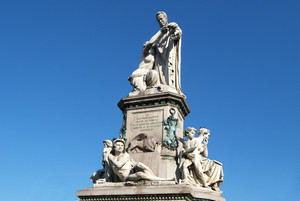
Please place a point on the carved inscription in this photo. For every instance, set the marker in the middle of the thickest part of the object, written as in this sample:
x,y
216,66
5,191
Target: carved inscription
x,y
147,122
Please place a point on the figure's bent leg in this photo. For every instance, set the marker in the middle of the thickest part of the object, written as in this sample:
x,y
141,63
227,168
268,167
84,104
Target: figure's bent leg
x,y
199,172
137,82
151,78
143,172
185,170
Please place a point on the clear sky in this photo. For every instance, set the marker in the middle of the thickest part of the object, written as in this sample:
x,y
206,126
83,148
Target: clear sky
x,y
64,67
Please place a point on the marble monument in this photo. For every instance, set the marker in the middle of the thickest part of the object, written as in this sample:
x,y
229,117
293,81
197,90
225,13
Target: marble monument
x,y
153,157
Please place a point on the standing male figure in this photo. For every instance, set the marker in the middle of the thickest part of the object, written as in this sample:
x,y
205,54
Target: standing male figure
x,y
161,59
168,52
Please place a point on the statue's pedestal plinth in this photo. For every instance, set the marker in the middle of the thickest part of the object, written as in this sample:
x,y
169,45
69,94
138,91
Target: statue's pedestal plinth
x,y
145,129
144,126
169,192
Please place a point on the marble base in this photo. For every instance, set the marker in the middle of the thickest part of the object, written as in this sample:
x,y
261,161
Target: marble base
x,y
145,130
180,192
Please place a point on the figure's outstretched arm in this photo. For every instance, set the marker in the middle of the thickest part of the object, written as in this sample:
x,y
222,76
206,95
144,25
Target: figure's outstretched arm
x,y
148,45
180,139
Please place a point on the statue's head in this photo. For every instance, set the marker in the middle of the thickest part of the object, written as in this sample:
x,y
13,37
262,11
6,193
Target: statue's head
x,y
107,143
119,145
204,132
162,18
190,132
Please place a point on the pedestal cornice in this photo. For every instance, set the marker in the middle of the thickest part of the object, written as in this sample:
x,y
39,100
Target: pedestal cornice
x,y
152,100
164,192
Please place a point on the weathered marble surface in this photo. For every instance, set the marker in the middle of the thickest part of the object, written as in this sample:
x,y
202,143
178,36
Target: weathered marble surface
x,y
146,131
153,191
119,167
154,158
190,167
160,62
196,169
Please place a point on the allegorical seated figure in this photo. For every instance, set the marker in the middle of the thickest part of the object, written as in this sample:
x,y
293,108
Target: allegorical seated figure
x,y
123,168
196,169
103,174
160,60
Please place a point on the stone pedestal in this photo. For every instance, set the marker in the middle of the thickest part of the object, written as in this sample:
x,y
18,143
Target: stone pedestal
x,y
145,129
153,191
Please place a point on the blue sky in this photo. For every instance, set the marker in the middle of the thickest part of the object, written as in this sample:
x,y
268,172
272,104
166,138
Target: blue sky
x,y
64,67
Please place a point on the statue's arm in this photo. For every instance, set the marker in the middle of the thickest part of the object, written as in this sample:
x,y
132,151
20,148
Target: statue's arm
x,y
119,164
156,36
191,149
180,139
204,152
148,45
177,31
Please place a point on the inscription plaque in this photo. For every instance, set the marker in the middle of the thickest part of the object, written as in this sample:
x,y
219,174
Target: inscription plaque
x,y
148,122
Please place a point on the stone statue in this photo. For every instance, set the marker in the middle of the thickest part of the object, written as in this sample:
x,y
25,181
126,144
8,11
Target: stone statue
x,y
160,61
125,169
153,158
106,151
190,156
196,169
103,174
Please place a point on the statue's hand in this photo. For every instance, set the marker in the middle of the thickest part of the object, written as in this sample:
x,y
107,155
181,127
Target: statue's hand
x,y
172,25
164,29
175,36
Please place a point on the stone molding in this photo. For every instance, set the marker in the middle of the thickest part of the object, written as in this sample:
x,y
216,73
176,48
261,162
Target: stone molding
x,y
152,100
144,198
178,192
